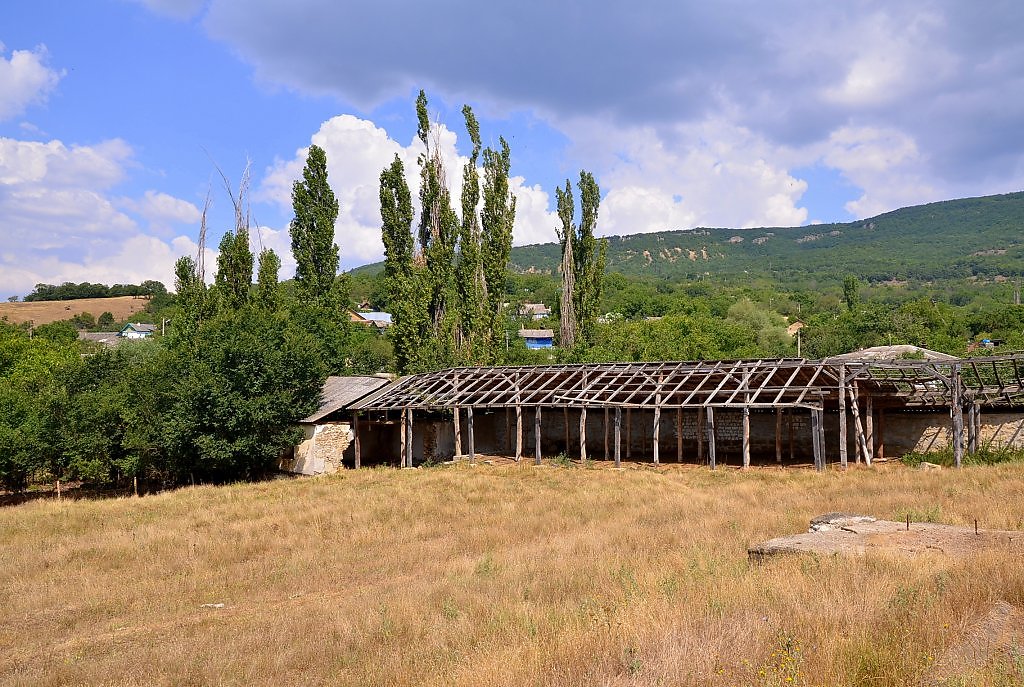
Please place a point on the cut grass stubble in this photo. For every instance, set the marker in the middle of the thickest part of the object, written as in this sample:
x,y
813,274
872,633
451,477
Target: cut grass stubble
x,y
491,576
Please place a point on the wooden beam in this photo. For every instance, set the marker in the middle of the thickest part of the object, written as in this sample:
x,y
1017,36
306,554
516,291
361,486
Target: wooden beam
x,y
519,433
956,406
657,431
858,430
536,435
778,435
972,429
869,427
816,440
679,435
843,458
880,454
701,429
355,439
629,424
711,436
618,436
469,428
404,447
408,439
583,434
458,433
746,437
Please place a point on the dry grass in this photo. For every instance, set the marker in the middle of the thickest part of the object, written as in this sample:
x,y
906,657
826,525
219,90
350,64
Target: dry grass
x,y
494,576
44,312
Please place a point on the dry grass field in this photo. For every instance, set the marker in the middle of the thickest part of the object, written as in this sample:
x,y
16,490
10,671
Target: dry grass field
x,y
44,312
498,575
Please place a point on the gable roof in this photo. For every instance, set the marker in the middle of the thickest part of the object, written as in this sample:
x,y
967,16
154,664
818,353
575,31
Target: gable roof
x,y
339,392
536,333
139,327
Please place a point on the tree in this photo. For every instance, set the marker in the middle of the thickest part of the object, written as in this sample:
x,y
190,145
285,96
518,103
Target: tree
x,y
851,292
312,230
234,268
192,301
469,274
268,294
497,218
105,320
583,261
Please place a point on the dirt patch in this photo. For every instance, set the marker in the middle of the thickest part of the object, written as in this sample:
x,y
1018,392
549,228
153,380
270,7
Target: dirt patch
x,y
843,533
44,312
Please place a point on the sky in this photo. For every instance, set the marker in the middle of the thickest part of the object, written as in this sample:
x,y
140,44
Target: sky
x,y
118,118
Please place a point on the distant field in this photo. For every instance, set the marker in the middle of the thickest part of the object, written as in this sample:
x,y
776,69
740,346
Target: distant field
x,y
496,575
44,312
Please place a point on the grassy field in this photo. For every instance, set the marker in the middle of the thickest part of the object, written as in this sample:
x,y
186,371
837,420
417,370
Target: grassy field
x,y
44,312
494,575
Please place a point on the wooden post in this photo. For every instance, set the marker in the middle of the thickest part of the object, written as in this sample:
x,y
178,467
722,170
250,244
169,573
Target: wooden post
x,y
821,437
778,435
657,431
402,431
816,439
956,407
629,424
536,435
606,454
711,437
746,437
458,434
789,426
843,459
977,420
59,491
972,428
583,434
519,432
859,437
408,439
355,440
618,436
701,429
869,427
469,428
135,484
679,435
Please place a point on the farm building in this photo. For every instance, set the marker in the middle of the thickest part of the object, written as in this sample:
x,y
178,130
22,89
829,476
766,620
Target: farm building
x,y
327,434
864,406
537,338
136,330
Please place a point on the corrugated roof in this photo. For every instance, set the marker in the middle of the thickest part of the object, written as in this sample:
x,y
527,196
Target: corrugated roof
x,y
897,352
536,333
339,392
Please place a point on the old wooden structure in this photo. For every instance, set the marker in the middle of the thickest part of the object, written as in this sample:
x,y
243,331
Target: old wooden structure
x,y
653,403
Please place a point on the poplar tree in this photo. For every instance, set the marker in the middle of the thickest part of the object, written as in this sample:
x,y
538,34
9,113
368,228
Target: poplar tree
x,y
583,261
268,295
402,277
497,217
312,231
470,281
234,268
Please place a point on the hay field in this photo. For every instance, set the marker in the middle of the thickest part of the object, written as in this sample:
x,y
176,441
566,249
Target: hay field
x,y
44,312
496,575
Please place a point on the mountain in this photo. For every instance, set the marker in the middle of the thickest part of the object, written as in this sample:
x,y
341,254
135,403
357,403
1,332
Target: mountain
x,y
953,239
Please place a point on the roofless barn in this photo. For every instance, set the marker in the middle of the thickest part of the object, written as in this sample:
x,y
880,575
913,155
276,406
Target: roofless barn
x,y
859,407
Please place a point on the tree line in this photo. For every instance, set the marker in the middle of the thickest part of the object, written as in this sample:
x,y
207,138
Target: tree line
x,y
69,291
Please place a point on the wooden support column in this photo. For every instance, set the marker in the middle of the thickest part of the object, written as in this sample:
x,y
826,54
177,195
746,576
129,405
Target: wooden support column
x,y
956,407
977,421
821,437
458,433
789,425
402,430
816,439
536,435
778,435
746,437
843,458
711,437
583,434
469,430
519,432
700,435
972,429
618,436
657,432
408,438
859,437
606,454
679,435
629,425
355,440
869,427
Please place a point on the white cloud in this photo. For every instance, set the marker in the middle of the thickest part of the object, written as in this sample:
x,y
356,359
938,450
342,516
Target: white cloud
x,y
60,223
25,80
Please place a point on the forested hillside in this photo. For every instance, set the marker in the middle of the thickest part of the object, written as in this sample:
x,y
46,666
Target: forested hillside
x,y
952,239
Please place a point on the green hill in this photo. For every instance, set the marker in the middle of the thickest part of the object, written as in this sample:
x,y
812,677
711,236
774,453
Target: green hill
x,y
980,237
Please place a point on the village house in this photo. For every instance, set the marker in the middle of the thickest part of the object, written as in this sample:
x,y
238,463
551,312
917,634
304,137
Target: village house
x,y
537,338
137,330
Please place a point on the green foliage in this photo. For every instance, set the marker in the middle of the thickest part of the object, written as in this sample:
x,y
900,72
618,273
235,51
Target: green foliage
x,y
312,231
583,261
234,268
105,321
268,293
69,291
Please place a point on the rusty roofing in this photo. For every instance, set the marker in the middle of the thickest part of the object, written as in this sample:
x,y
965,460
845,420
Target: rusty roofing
x,y
340,392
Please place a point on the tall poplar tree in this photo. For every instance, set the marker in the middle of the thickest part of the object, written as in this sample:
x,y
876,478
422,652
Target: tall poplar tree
x,y
583,261
312,231
472,339
497,217
234,268
268,295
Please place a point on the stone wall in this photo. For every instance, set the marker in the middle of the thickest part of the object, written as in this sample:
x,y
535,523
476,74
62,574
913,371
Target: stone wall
x,y
322,450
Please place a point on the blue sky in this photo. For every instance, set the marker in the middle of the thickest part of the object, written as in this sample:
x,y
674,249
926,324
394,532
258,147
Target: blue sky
x,y
115,114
